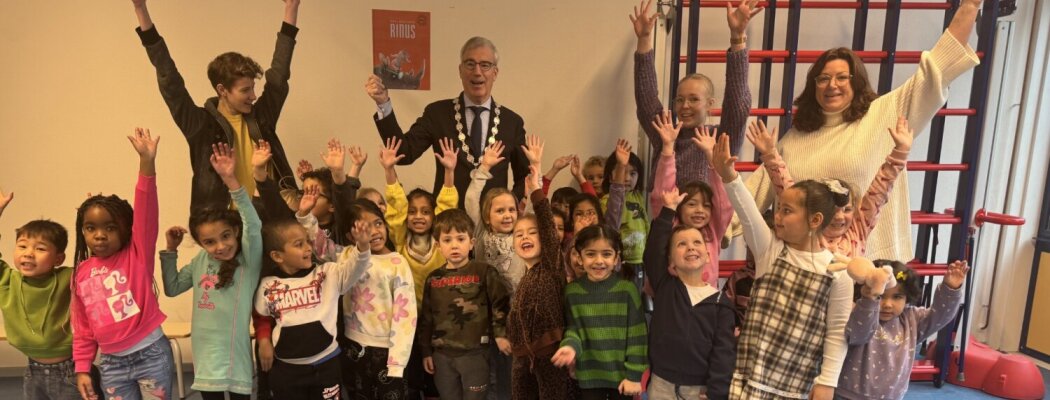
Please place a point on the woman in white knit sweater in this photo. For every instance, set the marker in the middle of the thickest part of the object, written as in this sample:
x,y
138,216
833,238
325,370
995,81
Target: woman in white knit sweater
x,y
839,129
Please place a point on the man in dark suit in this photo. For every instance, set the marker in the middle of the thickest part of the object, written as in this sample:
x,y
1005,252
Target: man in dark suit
x,y
473,120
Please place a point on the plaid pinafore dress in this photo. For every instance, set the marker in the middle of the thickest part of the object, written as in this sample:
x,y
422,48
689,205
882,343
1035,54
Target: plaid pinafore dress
x,y
782,340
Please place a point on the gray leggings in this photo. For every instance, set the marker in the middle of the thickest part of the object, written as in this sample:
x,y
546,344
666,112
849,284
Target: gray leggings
x,y
462,377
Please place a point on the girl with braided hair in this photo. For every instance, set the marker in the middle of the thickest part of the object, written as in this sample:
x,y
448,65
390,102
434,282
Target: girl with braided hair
x,y
114,303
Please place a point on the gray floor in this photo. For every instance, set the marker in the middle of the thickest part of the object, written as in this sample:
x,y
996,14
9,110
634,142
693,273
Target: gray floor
x,y
11,389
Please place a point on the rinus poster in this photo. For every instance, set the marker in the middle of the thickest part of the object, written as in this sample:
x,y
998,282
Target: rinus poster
x,y
401,48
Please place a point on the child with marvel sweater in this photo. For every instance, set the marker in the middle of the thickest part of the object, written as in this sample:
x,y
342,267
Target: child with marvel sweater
x,y
379,314
114,308
848,233
605,339
303,299
792,342
464,310
882,332
223,276
692,344
34,299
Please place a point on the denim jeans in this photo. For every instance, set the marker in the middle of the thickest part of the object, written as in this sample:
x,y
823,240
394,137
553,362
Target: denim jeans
x,y
50,381
146,374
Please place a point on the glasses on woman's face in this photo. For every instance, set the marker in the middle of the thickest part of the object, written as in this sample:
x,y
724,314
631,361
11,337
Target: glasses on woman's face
x,y
471,64
823,80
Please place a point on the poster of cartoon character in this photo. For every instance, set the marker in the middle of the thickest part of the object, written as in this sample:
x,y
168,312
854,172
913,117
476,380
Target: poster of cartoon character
x,y
401,48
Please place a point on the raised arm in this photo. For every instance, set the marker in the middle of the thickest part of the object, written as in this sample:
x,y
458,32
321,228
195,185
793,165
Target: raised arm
x,y
765,142
757,236
145,228
479,177
577,173
448,158
945,302
919,98
646,95
655,258
618,187
736,104
267,109
5,199
878,193
175,281
666,171
189,118
420,136
559,164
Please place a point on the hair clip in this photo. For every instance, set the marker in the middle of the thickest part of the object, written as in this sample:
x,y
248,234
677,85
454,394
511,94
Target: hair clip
x,y
901,276
835,186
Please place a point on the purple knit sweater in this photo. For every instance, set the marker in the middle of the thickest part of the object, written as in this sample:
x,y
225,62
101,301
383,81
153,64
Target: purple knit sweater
x,y
736,107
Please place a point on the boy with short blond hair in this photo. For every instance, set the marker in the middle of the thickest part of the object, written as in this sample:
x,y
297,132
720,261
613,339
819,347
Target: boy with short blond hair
x,y
34,298
465,304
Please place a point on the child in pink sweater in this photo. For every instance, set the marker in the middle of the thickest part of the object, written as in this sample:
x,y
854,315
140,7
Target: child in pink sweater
x,y
114,306
704,206
848,232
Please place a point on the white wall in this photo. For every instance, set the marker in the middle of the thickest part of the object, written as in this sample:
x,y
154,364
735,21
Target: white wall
x,y
77,80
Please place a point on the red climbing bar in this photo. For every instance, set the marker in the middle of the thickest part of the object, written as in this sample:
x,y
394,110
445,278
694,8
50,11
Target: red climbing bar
x,y
996,218
925,218
776,112
846,5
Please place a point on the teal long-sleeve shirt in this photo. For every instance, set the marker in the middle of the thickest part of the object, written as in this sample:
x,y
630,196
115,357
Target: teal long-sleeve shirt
x,y
222,352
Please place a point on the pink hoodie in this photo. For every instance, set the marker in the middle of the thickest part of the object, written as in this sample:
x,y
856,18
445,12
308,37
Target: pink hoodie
x,y
721,210
114,306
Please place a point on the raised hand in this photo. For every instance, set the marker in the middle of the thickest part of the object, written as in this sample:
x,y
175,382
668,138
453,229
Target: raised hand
x,y
144,144
222,160
740,16
564,356
533,149
303,168
532,182
667,130
362,235
261,155
174,236
902,135
388,156
358,157
765,141
623,152
672,198
449,154
375,89
705,140
722,161
956,274
576,169
643,21
5,199
308,200
335,156
493,155
561,162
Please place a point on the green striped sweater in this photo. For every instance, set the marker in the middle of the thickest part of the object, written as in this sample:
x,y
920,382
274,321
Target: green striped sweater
x,y
607,329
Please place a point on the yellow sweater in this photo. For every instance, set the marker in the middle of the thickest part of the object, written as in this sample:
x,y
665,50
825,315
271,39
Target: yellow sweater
x,y
396,216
